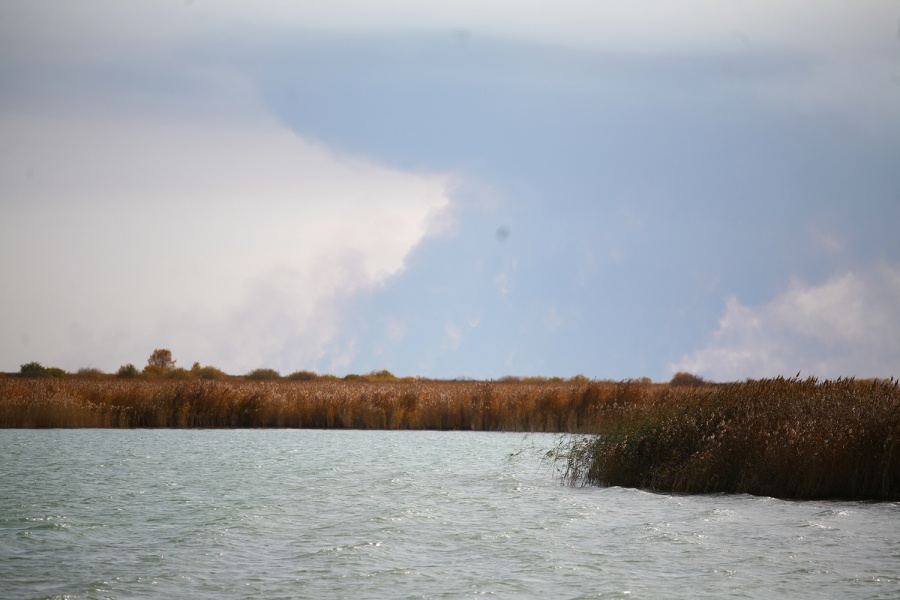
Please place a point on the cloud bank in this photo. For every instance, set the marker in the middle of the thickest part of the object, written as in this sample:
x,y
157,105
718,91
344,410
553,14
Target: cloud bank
x,y
845,326
254,185
228,243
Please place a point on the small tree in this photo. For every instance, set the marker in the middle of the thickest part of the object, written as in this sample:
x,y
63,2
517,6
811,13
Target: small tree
x,y
161,358
33,369
128,371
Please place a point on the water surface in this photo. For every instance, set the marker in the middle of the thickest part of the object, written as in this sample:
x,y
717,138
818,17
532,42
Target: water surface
x,y
382,514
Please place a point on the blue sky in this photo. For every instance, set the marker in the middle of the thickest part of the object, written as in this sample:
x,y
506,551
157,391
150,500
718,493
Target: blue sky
x,y
614,189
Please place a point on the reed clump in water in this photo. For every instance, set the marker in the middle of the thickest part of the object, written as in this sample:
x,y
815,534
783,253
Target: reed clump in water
x,y
786,438
516,405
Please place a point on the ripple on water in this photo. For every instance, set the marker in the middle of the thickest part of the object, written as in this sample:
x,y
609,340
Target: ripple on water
x,y
322,514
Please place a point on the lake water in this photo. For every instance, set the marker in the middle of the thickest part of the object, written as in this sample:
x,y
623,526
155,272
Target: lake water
x,y
380,514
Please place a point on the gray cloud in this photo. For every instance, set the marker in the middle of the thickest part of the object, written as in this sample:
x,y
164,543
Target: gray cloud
x,y
193,176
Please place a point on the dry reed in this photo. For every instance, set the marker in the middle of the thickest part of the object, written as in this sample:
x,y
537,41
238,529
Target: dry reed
x,y
786,438
547,406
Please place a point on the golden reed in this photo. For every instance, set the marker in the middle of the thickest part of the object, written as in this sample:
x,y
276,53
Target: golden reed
x,y
322,403
786,438
779,437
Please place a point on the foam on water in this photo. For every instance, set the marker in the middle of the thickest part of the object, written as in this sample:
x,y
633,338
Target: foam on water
x,y
377,514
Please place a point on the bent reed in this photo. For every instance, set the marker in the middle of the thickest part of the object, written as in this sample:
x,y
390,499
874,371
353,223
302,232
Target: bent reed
x,y
785,438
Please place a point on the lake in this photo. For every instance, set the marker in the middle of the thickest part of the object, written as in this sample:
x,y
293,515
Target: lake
x,y
88,513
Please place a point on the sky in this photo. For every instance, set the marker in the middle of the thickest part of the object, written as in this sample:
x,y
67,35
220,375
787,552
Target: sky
x,y
453,189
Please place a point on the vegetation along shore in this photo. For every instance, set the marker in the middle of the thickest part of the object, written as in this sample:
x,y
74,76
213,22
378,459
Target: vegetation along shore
x,y
787,438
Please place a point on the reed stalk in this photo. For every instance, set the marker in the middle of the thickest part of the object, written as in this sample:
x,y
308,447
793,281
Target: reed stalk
x,y
546,406
786,438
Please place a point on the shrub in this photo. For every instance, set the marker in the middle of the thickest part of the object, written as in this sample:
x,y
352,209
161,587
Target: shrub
x,y
374,376
33,369
303,376
264,375
36,369
177,374
686,379
89,373
128,371
154,372
383,375
207,372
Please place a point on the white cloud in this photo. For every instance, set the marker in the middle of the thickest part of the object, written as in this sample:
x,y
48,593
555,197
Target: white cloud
x,y
231,244
177,212
453,336
846,326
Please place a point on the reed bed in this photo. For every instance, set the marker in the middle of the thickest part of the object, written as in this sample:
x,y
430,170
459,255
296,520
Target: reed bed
x,y
580,406
785,438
